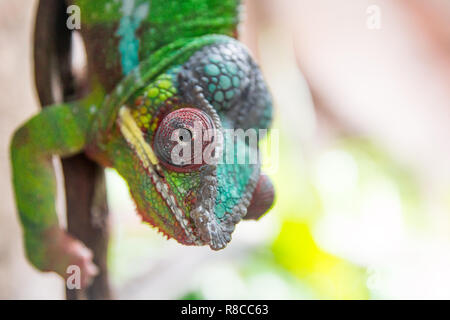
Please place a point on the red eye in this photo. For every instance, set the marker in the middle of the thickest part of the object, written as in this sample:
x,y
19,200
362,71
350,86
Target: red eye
x,y
181,138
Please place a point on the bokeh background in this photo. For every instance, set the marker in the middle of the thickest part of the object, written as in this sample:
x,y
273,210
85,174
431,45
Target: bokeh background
x,y
362,92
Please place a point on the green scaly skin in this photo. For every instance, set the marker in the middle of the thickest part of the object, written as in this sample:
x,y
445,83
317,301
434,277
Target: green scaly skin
x,y
147,59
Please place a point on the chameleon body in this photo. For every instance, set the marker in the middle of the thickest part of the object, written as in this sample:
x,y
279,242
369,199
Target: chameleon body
x,y
154,68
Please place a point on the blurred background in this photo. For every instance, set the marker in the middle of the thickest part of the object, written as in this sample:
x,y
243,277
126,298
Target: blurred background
x,y
362,172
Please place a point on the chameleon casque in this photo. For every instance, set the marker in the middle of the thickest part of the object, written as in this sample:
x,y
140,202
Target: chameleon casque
x,y
154,66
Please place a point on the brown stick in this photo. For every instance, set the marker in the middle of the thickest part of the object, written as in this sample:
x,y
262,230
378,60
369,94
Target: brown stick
x,y
87,211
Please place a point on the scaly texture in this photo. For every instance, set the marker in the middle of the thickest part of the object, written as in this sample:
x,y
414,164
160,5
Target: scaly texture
x,y
155,68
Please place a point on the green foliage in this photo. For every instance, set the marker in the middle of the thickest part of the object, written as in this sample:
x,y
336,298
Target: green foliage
x,y
329,276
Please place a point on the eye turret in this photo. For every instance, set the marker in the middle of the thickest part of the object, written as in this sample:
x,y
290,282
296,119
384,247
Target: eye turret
x,y
181,139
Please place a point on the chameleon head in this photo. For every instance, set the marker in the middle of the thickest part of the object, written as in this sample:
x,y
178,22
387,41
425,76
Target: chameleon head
x,y
184,164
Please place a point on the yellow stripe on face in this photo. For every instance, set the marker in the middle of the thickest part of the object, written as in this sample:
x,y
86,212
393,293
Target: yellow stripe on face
x,y
134,136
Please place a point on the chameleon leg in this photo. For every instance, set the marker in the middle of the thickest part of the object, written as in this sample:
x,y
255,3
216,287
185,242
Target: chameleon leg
x,y
58,130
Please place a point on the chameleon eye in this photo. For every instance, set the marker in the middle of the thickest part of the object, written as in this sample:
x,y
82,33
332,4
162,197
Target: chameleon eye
x,y
181,139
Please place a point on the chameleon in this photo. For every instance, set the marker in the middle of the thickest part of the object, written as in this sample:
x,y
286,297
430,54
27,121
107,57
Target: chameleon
x,y
157,69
